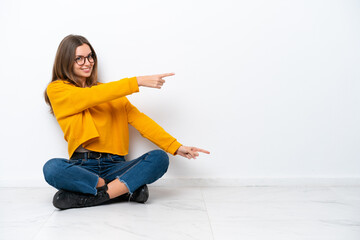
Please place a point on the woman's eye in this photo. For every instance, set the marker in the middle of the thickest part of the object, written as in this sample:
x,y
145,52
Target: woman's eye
x,y
78,58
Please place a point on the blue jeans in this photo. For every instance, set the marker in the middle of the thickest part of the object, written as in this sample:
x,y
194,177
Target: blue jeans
x,y
82,175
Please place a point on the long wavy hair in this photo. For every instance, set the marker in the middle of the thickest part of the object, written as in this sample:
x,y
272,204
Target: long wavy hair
x,y
64,61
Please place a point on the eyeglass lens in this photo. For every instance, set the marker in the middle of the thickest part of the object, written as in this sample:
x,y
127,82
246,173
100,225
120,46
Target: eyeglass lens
x,y
81,59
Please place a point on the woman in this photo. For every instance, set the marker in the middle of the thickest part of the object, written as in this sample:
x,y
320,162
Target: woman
x,y
94,118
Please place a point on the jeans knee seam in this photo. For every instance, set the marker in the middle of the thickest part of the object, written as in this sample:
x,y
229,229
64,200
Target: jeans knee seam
x,y
130,168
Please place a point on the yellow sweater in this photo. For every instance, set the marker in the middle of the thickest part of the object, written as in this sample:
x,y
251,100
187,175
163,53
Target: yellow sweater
x,y
98,117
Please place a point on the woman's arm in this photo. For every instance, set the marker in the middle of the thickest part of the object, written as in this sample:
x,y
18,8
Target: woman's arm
x,y
67,99
149,129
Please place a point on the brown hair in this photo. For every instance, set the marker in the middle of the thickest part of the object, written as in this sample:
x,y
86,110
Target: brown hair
x,y
64,61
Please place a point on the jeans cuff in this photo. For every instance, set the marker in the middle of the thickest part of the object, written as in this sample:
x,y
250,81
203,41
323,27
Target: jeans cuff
x,y
125,185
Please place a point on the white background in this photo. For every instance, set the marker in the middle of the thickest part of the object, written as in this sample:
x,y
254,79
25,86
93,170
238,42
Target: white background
x,y
271,88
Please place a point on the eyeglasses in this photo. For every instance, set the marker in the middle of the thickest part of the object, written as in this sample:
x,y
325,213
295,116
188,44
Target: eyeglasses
x,y
80,60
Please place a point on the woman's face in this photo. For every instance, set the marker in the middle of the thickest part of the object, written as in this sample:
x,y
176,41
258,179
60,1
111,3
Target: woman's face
x,y
84,62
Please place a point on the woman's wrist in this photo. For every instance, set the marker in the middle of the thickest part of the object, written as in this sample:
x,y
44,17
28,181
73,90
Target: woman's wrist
x,y
139,81
177,151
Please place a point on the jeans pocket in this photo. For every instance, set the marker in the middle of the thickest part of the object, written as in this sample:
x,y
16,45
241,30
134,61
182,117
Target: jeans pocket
x,y
116,158
76,161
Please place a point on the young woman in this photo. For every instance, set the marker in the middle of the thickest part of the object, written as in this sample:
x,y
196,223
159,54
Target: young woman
x,y
94,117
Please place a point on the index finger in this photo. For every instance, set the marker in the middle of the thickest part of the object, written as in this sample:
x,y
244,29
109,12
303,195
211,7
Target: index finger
x,y
166,75
200,150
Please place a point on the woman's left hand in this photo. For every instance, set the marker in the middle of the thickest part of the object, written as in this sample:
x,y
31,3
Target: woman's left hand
x,y
190,152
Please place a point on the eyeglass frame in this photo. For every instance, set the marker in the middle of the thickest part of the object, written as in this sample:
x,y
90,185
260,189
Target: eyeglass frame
x,y
88,58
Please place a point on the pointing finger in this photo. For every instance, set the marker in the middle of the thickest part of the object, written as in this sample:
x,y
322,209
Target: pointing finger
x,y
201,150
166,75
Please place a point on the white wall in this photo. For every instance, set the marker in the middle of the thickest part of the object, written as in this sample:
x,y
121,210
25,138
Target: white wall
x,y
271,88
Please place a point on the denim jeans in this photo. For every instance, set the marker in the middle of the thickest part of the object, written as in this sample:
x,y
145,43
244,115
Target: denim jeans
x,y
82,175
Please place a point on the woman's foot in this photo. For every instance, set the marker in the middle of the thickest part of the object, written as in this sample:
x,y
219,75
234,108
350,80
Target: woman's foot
x,y
140,195
65,199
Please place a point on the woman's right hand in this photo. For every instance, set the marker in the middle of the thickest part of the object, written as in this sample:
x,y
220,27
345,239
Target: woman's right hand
x,y
153,81
190,152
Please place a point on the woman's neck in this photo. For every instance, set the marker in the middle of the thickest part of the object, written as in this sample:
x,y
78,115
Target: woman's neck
x,y
83,82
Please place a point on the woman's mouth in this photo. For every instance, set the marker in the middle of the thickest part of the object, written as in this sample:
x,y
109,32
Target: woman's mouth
x,y
86,70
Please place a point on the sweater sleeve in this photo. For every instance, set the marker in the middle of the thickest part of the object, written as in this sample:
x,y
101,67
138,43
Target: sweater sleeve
x,y
67,99
149,129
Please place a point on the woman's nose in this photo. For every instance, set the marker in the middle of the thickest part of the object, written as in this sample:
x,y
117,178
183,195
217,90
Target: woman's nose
x,y
87,62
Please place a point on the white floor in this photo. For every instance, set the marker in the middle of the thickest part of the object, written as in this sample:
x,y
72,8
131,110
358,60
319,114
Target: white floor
x,y
288,213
